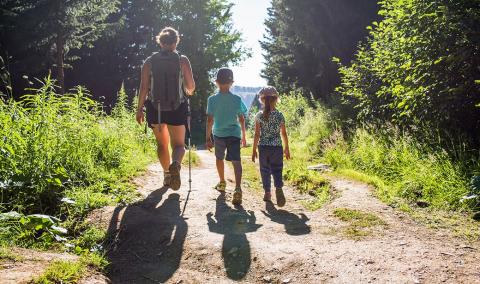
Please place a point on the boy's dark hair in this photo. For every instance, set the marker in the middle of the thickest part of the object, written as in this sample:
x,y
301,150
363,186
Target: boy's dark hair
x,y
224,76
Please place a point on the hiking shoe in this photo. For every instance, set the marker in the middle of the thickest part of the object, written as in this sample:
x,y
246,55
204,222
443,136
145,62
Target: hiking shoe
x,y
267,197
237,196
174,170
166,179
221,186
280,197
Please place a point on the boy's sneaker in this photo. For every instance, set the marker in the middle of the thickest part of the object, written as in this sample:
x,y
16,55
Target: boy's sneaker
x,y
174,170
280,197
267,197
221,186
237,196
166,179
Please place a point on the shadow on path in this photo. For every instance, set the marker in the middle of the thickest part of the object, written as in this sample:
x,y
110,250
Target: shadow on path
x,y
233,223
294,224
147,239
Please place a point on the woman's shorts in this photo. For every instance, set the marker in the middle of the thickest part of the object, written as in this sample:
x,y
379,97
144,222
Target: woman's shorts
x,y
176,117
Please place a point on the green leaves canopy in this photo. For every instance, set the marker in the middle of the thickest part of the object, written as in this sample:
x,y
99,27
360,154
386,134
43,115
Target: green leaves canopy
x,y
419,67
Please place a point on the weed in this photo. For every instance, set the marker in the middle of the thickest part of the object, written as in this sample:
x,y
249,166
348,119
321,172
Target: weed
x,y
62,272
360,223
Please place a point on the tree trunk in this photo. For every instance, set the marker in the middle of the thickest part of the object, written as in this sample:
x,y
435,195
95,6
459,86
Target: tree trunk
x,y
60,72
60,44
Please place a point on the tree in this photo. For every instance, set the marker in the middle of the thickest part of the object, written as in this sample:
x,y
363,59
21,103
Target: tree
x,y
43,33
419,68
305,35
207,38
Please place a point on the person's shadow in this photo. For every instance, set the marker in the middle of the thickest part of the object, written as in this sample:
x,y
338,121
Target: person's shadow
x,y
233,224
294,224
146,242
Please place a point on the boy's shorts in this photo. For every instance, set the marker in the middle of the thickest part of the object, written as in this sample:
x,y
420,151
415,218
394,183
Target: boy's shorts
x,y
231,144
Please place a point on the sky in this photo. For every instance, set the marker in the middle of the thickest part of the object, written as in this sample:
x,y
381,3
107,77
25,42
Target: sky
x,y
248,18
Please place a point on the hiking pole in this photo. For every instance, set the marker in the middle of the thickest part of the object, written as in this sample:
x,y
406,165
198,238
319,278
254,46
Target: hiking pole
x,y
189,138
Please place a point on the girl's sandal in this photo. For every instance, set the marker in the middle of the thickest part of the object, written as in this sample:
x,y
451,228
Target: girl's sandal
x,y
221,186
280,197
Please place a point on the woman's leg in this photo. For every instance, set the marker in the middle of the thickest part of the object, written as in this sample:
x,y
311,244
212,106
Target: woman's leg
x,y
162,136
177,141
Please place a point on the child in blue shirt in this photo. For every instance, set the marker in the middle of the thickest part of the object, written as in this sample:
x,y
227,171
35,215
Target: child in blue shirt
x,y
269,131
226,120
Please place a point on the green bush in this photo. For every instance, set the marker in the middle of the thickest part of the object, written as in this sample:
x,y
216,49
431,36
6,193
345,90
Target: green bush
x,y
55,146
419,67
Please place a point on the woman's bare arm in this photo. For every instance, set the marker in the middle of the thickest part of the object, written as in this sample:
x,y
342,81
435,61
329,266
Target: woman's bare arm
x,y
144,89
188,81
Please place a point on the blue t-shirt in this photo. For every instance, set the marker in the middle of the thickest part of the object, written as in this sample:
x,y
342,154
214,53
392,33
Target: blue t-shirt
x,y
225,109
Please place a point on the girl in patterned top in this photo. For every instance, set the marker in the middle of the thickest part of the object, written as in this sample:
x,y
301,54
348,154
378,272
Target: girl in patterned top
x,y
269,132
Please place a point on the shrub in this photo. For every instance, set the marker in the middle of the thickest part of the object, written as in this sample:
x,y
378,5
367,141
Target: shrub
x,y
54,145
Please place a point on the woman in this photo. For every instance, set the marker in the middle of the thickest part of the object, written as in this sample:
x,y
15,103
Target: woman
x,y
168,123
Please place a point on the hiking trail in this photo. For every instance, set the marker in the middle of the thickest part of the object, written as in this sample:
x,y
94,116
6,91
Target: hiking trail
x,y
214,242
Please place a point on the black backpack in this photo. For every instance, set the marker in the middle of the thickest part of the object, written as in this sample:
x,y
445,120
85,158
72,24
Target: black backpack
x,y
166,90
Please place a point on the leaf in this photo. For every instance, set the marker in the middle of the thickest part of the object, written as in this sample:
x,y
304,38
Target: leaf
x,y
59,230
67,200
12,215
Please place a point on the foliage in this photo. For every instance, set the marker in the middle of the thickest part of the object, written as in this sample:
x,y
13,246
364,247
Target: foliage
x,y
62,271
418,68
410,170
303,37
32,29
35,229
207,38
54,144
62,156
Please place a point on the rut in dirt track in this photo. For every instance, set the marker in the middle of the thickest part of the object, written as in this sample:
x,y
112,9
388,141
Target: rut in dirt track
x,y
214,242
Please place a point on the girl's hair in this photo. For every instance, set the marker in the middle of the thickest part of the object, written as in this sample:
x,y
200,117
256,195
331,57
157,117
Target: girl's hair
x,y
269,97
269,102
168,36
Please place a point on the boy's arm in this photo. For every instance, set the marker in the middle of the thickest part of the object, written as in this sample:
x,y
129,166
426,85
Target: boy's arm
x,y
283,129
208,133
256,138
241,119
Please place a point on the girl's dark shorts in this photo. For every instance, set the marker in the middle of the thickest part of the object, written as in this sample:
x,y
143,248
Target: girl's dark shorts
x,y
176,117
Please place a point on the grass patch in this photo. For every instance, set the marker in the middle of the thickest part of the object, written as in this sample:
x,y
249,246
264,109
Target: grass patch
x,y
62,272
460,223
6,254
360,223
195,159
71,271
251,174
322,196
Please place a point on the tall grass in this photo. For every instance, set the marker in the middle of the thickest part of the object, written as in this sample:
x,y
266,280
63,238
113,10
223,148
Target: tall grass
x,y
412,170
54,147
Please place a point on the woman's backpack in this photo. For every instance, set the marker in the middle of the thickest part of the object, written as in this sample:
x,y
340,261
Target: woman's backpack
x,y
166,90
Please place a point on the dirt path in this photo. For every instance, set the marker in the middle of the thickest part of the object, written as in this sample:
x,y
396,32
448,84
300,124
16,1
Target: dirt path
x,y
213,242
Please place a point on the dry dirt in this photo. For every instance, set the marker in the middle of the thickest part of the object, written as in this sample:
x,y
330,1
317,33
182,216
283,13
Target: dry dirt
x,y
160,240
